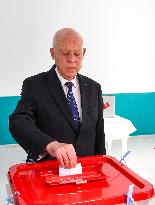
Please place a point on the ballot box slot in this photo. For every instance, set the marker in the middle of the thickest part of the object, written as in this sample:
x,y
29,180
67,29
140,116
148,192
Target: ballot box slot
x,y
90,173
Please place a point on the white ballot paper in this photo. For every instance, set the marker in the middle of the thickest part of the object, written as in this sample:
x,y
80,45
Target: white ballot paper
x,y
71,171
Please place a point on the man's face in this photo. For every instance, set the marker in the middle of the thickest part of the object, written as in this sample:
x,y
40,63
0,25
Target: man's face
x,y
68,55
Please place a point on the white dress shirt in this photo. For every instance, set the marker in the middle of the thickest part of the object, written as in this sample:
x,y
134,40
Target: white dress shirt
x,y
75,90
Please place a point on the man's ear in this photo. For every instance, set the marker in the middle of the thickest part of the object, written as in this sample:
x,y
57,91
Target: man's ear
x,y
52,52
84,50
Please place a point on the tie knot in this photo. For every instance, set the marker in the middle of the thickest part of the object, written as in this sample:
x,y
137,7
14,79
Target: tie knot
x,y
69,85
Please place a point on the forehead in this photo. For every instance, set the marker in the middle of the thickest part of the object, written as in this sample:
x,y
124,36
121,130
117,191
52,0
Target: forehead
x,y
68,42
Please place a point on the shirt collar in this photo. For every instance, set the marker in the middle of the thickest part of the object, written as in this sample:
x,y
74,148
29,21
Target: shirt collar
x,y
63,80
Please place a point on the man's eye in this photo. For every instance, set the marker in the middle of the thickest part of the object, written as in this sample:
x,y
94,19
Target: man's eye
x,y
77,54
65,54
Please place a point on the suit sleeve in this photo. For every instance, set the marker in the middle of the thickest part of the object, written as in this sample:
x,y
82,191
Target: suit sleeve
x,y
22,123
100,135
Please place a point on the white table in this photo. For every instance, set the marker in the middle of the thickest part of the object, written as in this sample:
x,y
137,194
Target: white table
x,y
117,128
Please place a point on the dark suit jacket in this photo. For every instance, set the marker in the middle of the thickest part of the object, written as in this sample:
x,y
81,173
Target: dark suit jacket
x,y
43,115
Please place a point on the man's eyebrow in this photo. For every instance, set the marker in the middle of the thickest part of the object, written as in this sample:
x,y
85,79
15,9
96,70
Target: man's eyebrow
x,y
61,49
65,50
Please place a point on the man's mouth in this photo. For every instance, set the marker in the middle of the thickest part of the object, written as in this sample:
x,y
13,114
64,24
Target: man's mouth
x,y
71,68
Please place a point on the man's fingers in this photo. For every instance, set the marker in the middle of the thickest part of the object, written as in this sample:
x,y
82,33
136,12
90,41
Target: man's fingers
x,y
72,158
70,151
60,159
69,157
66,160
65,153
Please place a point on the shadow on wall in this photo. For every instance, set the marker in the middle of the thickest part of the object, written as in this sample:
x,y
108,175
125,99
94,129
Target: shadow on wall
x,y
137,107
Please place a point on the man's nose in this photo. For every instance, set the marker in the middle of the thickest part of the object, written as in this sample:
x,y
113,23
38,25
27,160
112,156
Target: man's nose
x,y
71,58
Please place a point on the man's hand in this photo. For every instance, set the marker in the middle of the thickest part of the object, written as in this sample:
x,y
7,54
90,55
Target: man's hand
x,y
65,153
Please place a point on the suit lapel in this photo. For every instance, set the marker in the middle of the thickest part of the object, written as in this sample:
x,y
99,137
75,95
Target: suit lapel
x,y
84,99
57,91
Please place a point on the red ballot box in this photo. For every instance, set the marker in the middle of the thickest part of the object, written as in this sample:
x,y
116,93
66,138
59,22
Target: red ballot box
x,y
104,180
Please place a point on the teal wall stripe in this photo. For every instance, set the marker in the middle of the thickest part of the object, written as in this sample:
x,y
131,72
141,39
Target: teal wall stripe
x,y
7,105
137,107
140,109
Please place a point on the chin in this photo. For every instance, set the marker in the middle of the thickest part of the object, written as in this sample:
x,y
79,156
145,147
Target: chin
x,y
71,74
70,77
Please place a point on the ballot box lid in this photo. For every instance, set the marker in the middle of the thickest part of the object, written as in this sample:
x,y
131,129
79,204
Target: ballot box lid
x,y
104,180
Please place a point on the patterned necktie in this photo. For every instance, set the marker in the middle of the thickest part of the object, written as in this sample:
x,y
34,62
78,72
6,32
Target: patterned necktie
x,y
72,104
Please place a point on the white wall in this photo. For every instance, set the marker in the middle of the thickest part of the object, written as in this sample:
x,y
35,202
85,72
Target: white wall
x,y
119,37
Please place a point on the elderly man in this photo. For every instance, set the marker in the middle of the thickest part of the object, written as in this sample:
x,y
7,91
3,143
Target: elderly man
x,y
60,112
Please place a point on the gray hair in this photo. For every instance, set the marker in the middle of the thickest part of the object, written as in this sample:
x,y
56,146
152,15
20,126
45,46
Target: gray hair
x,y
66,31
